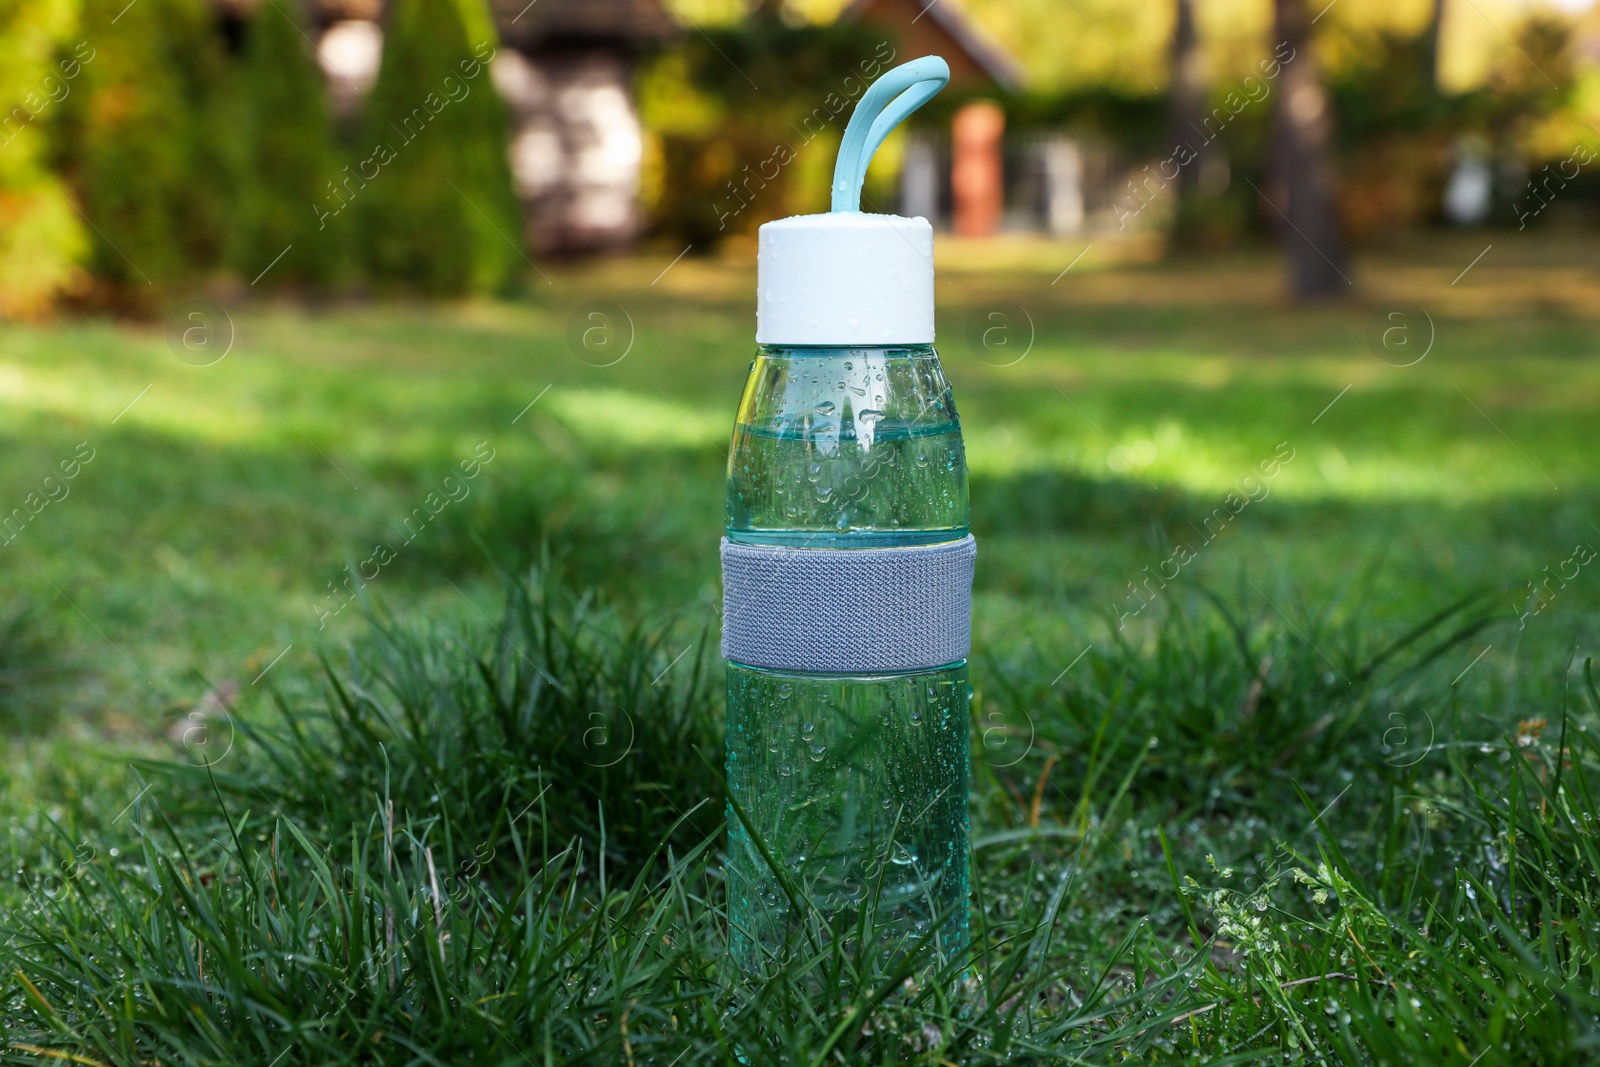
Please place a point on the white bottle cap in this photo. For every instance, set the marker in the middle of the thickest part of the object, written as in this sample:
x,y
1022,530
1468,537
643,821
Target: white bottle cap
x,y
845,278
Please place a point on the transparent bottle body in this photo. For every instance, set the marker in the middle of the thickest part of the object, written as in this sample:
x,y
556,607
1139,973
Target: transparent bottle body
x,y
855,784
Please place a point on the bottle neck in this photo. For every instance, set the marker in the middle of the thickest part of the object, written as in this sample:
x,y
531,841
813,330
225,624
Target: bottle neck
x,y
907,351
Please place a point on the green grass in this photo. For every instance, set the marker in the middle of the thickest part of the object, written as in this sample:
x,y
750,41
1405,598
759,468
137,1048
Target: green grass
x,y
1194,862
412,844
205,533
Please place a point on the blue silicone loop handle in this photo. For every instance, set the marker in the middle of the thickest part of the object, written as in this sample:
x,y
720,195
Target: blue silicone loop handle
x,y
892,97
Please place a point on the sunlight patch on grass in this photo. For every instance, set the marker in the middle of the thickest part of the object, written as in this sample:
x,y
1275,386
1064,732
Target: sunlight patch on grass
x,y
225,409
1171,454
144,388
619,418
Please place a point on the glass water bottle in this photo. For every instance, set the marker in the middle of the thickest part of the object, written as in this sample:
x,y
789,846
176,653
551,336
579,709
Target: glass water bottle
x,y
855,783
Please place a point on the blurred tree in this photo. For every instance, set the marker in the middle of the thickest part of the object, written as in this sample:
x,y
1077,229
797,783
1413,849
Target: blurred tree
x,y
41,239
732,155
432,185
1431,38
1118,45
1185,103
1302,159
144,142
286,155
1538,73
1539,116
1395,137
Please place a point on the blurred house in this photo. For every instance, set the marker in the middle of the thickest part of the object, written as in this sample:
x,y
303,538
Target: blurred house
x,y
959,179
565,69
941,29
977,179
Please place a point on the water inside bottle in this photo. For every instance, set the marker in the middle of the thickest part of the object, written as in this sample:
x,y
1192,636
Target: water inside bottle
x,y
855,785
858,788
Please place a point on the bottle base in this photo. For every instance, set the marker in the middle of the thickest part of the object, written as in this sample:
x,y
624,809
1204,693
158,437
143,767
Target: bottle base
x,y
848,812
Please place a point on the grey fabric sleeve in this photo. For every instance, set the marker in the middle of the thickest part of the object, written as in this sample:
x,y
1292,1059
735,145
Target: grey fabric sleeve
x,y
847,611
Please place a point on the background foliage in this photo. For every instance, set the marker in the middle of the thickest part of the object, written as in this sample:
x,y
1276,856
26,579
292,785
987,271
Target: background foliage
x,y
145,142
41,238
189,145
441,216
285,158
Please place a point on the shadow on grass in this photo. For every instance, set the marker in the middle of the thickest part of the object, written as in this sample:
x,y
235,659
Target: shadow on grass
x,y
35,669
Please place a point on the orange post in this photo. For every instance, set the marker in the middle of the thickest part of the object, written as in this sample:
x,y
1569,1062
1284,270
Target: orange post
x,y
975,176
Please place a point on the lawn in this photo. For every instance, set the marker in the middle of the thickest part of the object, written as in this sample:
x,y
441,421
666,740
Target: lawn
x,y
1203,517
